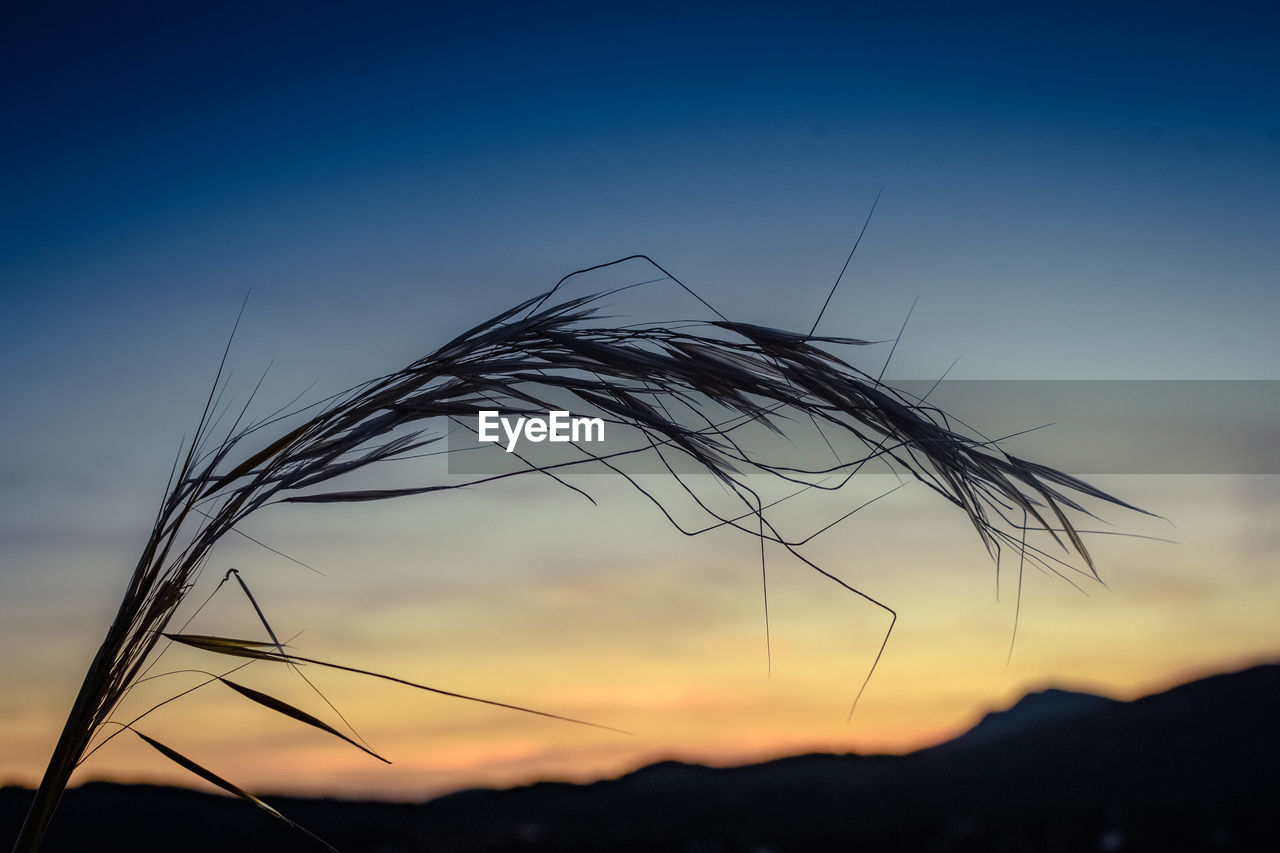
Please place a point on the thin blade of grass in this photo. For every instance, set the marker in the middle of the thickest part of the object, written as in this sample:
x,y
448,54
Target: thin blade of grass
x,y
238,648
229,646
230,787
207,774
298,714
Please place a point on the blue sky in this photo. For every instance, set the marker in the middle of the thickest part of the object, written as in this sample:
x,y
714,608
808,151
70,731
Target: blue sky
x,y
1084,192
184,156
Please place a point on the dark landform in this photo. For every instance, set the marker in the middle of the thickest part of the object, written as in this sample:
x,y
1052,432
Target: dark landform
x,y
1193,768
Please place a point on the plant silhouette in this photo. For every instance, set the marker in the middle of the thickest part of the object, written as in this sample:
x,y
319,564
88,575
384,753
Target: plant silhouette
x,y
689,391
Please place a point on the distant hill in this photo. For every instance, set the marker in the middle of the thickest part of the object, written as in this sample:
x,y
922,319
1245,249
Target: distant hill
x,y
1034,711
1194,768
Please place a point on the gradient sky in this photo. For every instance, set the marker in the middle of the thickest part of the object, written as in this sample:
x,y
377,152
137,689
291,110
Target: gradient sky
x,y
1085,193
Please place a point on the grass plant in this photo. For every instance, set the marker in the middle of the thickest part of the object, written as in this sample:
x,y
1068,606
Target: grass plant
x,y
688,389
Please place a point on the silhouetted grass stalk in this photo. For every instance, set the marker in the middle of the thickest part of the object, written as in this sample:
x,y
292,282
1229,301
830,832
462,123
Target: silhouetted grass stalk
x,y
522,358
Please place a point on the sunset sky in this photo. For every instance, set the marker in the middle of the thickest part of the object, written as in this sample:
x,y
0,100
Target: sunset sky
x,y
1084,194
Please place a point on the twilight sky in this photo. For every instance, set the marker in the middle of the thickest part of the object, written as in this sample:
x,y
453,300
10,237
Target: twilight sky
x,y
1091,193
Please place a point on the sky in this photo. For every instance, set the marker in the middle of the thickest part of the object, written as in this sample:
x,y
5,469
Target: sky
x,y
1083,193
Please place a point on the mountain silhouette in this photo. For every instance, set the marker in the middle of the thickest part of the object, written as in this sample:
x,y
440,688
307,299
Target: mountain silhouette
x,y
1033,711
1194,768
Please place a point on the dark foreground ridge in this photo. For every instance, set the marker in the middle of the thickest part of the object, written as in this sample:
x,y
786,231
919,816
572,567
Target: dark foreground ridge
x,y
1194,768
